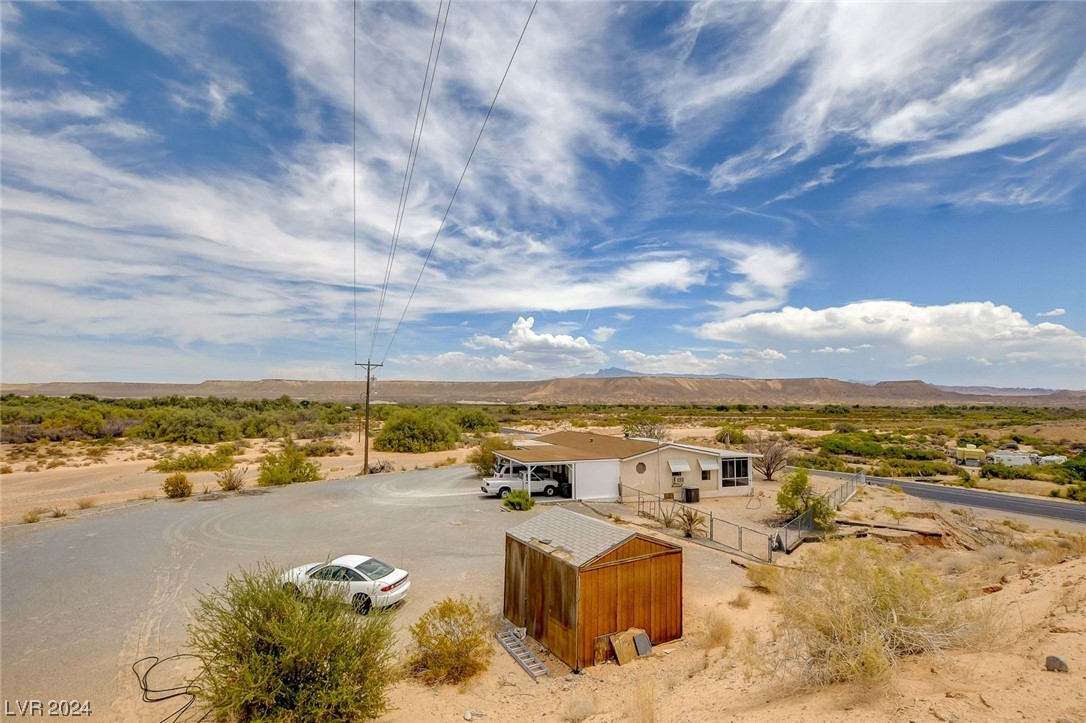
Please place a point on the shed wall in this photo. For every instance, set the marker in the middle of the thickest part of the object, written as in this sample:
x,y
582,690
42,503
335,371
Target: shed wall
x,y
641,592
541,595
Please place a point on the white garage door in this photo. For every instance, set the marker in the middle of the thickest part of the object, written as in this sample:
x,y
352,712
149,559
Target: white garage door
x,y
596,480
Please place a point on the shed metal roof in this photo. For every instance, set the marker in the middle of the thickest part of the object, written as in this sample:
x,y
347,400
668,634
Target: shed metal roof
x,y
568,536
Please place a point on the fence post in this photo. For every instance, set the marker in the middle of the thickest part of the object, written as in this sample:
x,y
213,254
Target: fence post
x,y
712,517
740,537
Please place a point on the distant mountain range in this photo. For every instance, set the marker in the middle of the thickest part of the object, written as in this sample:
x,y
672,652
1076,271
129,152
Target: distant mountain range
x,y
612,372
596,389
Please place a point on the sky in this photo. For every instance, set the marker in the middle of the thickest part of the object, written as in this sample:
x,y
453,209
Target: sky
x,y
862,191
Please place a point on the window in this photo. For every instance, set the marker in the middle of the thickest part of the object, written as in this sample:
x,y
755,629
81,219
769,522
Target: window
x,y
735,472
706,474
641,468
374,569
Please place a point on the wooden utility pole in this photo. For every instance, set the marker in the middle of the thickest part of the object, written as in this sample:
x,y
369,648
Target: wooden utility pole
x,y
366,446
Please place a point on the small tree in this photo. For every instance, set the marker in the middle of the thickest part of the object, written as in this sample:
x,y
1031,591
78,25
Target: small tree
x,y
646,426
482,458
797,496
451,641
690,522
287,467
731,435
774,450
266,654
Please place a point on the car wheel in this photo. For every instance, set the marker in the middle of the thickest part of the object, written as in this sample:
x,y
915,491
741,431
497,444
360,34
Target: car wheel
x,y
503,492
362,603
292,590
549,490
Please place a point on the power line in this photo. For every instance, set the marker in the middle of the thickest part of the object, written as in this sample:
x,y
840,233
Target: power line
x,y
432,60
463,173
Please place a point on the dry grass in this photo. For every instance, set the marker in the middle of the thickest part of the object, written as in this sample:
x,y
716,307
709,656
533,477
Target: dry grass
x,y
765,578
750,655
57,512
741,601
86,503
582,704
719,631
643,706
32,516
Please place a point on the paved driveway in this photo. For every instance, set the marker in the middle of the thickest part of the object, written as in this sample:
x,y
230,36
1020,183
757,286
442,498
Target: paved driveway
x,y
82,598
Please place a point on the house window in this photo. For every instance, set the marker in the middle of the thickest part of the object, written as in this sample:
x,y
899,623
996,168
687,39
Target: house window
x,y
706,474
641,468
735,472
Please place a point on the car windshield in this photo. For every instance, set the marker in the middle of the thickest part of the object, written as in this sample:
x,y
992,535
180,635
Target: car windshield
x,y
374,569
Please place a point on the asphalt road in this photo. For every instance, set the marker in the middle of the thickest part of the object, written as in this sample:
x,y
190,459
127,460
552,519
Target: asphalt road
x,y
82,598
985,499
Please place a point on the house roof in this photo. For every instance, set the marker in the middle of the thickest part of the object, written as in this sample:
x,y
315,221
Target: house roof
x,y
602,446
570,537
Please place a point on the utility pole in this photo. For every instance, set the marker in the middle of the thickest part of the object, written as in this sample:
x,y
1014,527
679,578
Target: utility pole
x,y
366,447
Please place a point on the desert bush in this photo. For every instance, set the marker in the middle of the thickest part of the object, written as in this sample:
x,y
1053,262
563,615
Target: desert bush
x,y
322,448
730,435
911,468
741,601
797,496
57,512
775,453
287,467
451,641
6,469
482,458
417,431
266,654
1002,471
231,479
177,486
822,461
582,704
195,461
32,516
668,514
856,609
519,500
86,503
690,522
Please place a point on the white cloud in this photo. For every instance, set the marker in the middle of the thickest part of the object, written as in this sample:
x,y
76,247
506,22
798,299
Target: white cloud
x,y
769,272
603,333
763,355
679,362
831,350
953,334
1054,312
544,350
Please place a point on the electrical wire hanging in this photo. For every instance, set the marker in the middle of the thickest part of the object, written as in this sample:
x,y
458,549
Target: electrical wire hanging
x,y
463,173
432,61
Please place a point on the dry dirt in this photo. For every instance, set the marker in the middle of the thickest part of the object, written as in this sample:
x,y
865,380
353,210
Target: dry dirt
x,y
1041,590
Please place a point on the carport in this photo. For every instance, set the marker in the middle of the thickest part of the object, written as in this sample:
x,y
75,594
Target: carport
x,y
571,581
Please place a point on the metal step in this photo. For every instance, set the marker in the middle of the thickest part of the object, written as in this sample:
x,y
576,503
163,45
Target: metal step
x,y
524,657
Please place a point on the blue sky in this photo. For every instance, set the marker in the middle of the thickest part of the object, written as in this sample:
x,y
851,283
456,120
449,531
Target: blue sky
x,y
863,191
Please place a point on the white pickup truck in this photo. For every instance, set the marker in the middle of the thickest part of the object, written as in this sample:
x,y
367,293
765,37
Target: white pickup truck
x,y
516,477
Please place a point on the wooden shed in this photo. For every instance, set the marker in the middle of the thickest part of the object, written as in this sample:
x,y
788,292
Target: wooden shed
x,y
570,579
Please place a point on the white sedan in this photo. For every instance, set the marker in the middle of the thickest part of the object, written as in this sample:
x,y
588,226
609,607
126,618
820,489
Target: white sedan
x,y
363,582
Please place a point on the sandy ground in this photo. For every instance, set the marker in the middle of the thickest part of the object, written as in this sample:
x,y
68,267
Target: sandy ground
x,y
1041,588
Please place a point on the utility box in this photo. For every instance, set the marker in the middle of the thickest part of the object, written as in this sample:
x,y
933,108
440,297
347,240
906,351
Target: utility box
x,y
691,494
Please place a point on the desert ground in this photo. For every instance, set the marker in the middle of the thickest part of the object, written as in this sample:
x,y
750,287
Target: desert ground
x,y
723,667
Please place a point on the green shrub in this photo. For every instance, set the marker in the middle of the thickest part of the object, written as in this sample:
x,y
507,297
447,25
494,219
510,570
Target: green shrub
x,y
268,655
855,609
519,500
474,421
966,478
859,444
417,431
287,467
451,641
1002,471
910,468
196,461
177,486
482,458
822,461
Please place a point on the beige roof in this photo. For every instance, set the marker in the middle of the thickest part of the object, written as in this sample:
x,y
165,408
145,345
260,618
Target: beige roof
x,y
569,536
600,446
